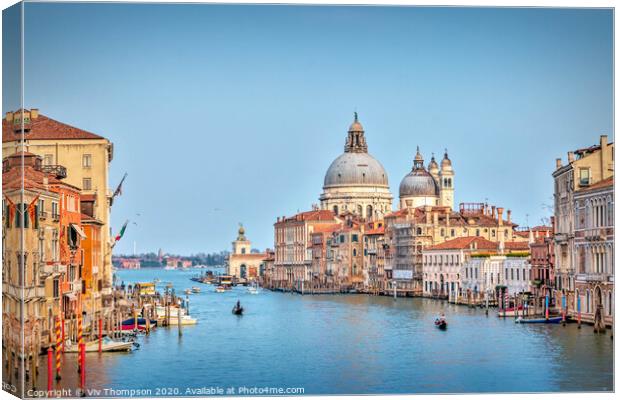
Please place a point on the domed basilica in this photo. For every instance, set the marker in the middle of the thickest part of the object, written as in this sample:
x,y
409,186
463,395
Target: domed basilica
x,y
356,182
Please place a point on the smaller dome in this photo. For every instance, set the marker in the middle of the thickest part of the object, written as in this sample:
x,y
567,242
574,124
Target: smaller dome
x,y
418,183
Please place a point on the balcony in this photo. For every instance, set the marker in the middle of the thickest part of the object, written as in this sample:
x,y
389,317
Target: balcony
x,y
596,234
57,170
49,269
42,214
56,217
597,277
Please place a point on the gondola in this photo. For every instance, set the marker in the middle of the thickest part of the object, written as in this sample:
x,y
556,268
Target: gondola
x,y
237,310
441,324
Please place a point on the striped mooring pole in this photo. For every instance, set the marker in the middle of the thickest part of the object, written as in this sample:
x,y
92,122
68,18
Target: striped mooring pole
x,y
58,347
80,341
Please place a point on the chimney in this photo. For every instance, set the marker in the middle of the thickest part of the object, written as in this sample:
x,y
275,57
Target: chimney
x,y
500,216
427,213
558,163
508,214
34,113
604,158
493,212
571,157
9,116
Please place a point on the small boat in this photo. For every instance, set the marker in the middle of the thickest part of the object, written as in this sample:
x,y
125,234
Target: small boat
x,y
441,324
195,289
130,324
107,345
552,320
237,309
220,289
185,320
188,291
253,289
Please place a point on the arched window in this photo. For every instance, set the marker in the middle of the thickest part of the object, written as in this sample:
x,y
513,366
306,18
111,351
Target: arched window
x,y
243,250
419,231
354,252
369,212
359,210
336,210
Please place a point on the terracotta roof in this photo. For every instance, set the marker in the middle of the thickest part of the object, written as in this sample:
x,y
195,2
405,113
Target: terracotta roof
x,y
516,246
44,127
376,231
467,242
599,185
326,228
32,179
314,215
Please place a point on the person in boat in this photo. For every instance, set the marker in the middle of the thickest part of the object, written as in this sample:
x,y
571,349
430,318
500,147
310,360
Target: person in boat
x,y
238,306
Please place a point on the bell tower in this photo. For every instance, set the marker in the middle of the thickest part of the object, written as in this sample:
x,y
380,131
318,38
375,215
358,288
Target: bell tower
x,y
242,245
446,182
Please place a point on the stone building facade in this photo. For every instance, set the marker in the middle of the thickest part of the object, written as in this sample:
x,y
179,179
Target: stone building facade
x,y
585,167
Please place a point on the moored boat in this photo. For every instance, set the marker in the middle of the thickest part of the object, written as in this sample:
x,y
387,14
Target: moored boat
x,y
552,320
185,320
107,345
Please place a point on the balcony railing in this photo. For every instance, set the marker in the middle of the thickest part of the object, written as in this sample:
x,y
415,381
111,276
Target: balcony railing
x,y
597,277
57,170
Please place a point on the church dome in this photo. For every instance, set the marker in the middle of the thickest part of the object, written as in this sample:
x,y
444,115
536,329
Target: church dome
x,y
355,169
418,183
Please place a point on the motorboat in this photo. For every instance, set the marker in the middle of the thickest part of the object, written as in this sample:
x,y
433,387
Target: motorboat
x,y
107,345
185,320
195,289
220,289
188,291
130,324
552,320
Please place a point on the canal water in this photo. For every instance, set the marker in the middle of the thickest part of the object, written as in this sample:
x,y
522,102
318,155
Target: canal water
x,y
346,344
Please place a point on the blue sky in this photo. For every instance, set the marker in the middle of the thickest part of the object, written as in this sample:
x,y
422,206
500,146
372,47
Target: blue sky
x,y
225,114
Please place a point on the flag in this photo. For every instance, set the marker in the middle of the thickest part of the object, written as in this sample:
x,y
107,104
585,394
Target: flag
x,y
11,211
119,188
32,207
121,233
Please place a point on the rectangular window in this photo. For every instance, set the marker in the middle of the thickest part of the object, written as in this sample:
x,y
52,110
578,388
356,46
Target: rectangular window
x,y
87,184
56,288
87,161
584,176
55,210
354,238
